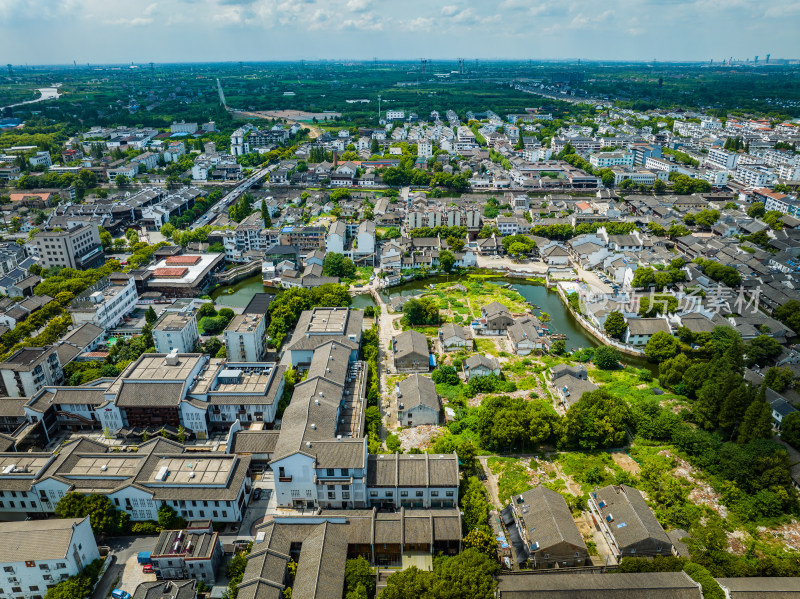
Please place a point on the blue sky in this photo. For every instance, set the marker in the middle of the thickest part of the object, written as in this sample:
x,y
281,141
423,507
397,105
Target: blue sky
x,y
103,31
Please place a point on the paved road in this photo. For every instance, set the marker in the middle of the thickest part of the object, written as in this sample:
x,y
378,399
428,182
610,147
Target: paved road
x,y
232,196
122,548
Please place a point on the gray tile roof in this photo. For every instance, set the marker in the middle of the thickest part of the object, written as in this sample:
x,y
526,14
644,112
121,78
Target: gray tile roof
x,y
479,360
758,587
134,395
419,390
647,326
254,441
412,470
547,518
628,507
171,589
36,540
653,585
411,343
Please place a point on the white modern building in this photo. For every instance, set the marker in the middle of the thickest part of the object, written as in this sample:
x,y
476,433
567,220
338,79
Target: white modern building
x,y
106,302
176,331
722,159
197,484
36,555
244,338
606,159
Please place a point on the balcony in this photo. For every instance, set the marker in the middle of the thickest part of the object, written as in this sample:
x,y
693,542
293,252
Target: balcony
x,y
285,479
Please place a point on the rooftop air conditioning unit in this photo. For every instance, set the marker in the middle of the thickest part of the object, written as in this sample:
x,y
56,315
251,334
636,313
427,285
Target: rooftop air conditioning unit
x,y
103,468
313,426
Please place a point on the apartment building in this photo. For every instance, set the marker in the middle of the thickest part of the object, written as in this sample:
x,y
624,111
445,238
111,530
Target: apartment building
x,y
244,338
606,159
780,202
722,159
29,369
78,247
197,484
36,555
106,302
176,331
754,176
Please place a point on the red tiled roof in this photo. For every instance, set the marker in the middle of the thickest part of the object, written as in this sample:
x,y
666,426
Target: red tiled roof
x,y
170,273
186,260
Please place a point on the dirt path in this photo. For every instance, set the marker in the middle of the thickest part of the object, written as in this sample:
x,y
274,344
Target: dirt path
x,y
314,131
490,482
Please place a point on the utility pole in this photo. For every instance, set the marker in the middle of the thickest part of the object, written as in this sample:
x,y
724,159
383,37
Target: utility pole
x,y
424,62
379,107
461,66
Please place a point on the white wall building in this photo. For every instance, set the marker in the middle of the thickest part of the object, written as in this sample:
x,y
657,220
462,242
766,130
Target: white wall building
x,y
106,302
38,554
722,158
244,338
176,331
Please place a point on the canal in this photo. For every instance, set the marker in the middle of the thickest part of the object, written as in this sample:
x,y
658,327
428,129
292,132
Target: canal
x,y
546,300
239,295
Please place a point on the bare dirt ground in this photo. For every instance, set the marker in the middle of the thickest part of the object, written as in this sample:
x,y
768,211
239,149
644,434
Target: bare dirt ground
x,y
291,117
788,534
420,437
703,493
626,462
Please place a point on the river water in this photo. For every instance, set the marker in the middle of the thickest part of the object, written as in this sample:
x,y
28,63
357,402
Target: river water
x,y
561,320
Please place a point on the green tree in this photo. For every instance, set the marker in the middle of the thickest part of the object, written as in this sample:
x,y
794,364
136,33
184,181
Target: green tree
x,y
337,265
121,180
374,146
778,379
659,186
265,215
762,350
789,314
790,429
482,541
597,420
150,316
606,358
756,210
615,325
421,311
168,519
359,574
447,260
558,347
661,346
757,423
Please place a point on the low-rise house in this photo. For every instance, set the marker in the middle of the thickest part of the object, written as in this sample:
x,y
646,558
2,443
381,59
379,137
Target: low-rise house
x,y
495,320
454,337
412,481
542,530
480,365
35,555
417,401
664,585
627,523
762,587
411,352
527,335
173,589
640,330
192,553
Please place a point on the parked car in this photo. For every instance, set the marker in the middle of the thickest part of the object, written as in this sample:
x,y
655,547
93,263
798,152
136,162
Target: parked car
x,y
257,494
148,569
120,594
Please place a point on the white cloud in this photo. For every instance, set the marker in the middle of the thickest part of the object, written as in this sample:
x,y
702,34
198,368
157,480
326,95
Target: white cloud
x,y
358,5
449,10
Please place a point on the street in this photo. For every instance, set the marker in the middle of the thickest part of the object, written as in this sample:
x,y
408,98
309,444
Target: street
x,y
232,196
124,549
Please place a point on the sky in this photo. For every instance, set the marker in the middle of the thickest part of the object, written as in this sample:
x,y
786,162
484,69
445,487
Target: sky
x,y
141,31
